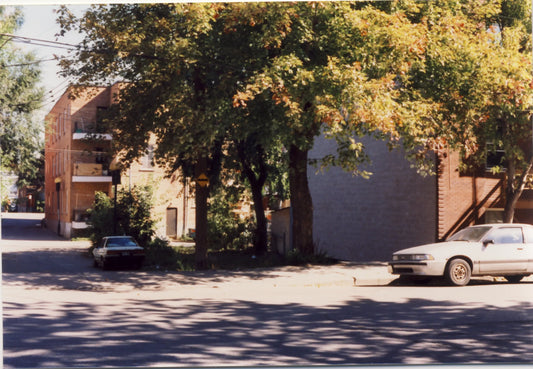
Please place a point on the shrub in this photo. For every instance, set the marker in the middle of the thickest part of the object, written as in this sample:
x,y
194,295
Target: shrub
x,y
295,257
160,255
132,216
100,218
226,229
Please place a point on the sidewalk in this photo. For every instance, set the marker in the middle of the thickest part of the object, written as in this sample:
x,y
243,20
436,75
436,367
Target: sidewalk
x,y
343,273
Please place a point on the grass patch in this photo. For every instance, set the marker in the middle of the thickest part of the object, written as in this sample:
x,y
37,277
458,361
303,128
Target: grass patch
x,y
161,256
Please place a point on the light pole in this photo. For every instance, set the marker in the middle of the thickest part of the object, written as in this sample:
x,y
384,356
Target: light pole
x,y
1,189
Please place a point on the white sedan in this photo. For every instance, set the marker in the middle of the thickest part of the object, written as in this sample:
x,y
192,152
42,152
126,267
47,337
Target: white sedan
x,y
118,250
490,249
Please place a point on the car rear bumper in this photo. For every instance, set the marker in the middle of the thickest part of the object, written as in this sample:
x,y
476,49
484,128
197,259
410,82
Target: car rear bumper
x,y
427,267
124,259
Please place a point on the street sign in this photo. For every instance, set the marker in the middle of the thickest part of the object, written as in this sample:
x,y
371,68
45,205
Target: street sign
x,y
202,180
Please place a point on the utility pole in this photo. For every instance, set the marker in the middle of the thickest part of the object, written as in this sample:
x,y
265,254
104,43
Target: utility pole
x,y
1,191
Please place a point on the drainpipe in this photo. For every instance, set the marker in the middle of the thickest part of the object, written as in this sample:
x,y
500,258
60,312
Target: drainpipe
x,y
58,188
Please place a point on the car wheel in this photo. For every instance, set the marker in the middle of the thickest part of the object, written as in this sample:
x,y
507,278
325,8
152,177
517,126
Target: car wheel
x,y
458,272
95,263
514,278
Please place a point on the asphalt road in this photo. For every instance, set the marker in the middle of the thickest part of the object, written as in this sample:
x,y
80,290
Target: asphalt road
x,y
59,311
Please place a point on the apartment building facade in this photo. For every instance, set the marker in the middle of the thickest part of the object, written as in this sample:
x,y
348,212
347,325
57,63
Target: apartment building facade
x,y
78,161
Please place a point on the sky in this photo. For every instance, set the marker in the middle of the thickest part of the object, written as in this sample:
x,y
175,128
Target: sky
x,y
40,23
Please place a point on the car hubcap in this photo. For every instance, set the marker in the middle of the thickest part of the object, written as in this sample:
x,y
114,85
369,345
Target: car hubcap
x,y
459,272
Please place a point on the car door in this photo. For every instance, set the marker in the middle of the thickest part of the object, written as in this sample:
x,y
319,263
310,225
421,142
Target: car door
x,y
503,251
99,250
528,243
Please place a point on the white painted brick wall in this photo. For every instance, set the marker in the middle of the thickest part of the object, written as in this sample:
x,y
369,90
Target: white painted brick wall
x,y
367,219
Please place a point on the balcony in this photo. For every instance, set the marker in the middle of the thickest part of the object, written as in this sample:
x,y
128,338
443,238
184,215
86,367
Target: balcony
x,y
92,136
90,131
90,172
79,219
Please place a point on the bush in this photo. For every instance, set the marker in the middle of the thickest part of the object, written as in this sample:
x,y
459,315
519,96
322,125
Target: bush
x,y
160,255
295,257
226,229
100,218
132,216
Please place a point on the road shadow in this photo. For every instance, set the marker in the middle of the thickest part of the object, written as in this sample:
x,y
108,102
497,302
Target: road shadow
x,y
73,269
28,227
442,282
174,332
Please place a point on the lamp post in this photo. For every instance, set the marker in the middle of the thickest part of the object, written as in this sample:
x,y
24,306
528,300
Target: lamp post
x,y
115,178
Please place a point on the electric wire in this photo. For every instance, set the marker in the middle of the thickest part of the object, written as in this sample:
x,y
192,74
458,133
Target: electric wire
x,y
39,42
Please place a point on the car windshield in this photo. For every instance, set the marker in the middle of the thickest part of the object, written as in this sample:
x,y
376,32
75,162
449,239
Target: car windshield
x,y
120,242
470,234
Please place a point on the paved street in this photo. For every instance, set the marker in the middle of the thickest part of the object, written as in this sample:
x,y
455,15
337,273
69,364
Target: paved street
x,y
59,311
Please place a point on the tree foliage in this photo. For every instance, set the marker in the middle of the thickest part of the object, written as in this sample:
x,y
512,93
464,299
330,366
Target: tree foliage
x,y
331,70
20,134
225,83
476,74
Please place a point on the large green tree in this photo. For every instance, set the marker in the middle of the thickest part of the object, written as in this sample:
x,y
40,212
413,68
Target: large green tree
x,y
219,82
476,75
20,134
331,71
248,77
178,85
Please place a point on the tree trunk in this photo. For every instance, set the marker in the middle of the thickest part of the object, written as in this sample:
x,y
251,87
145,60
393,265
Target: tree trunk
x,y
514,189
261,237
257,181
301,202
201,196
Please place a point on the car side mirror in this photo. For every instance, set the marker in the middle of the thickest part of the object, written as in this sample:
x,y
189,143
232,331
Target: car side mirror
x,y
488,242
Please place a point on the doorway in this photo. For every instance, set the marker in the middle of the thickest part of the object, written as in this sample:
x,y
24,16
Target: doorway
x,y
172,222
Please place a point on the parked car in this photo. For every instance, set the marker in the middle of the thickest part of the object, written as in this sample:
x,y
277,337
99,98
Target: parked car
x,y
118,250
483,250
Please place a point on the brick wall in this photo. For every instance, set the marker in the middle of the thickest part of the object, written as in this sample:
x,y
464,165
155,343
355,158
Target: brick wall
x,y
62,152
463,199
365,220
168,193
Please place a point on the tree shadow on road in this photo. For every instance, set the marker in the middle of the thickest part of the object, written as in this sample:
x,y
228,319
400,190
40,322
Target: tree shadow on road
x,y
177,332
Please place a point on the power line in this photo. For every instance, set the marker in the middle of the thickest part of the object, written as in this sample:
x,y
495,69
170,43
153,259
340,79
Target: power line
x,y
39,42
29,63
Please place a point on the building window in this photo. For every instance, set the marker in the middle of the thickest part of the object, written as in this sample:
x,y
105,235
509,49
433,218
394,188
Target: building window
x,y
99,156
101,126
65,116
495,157
147,160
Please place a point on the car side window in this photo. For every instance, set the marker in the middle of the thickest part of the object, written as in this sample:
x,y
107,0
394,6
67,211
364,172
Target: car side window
x,y
528,232
506,235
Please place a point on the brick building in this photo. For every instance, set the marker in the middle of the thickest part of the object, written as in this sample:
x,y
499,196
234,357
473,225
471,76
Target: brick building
x,y
77,164
367,219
